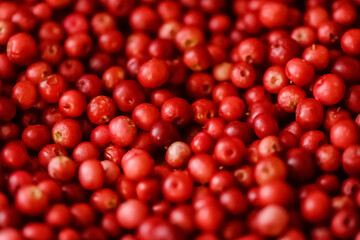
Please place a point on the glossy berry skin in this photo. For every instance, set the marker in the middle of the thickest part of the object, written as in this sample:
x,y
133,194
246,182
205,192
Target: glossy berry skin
x,y
231,108
178,111
128,94
350,42
202,167
123,131
153,73
30,200
229,151
14,154
344,128
91,174
78,45
177,187
101,110
25,94
299,71
329,89
268,226
134,158
21,49
316,206
349,159
36,136
309,114
67,133
131,213
61,168
72,103
145,115
273,14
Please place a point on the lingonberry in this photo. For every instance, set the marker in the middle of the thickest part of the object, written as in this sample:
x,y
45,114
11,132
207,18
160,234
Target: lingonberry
x,y
78,45
350,40
317,55
202,167
309,114
345,224
329,89
85,151
178,154
229,151
122,130
101,110
30,200
90,85
25,94
91,174
58,216
328,158
163,133
137,157
346,128
177,187
131,213
52,87
267,225
316,206
233,200
349,159
128,94
177,110
312,140
204,110
202,143
36,136
275,79
273,14
21,49
346,67
300,165
351,97
67,133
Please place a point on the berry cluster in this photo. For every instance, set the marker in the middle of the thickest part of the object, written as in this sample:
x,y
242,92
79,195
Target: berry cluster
x,y
174,120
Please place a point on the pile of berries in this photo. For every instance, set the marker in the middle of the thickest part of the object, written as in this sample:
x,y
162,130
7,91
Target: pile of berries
x,y
174,120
